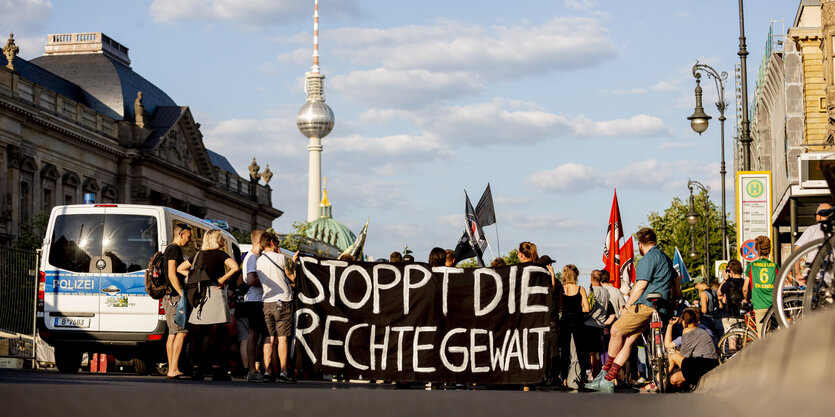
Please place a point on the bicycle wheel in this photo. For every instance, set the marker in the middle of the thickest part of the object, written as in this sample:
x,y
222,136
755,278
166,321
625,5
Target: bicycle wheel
x,y
770,321
791,283
733,342
657,363
819,293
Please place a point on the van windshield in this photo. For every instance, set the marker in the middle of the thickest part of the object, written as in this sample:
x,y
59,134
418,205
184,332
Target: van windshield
x,y
124,241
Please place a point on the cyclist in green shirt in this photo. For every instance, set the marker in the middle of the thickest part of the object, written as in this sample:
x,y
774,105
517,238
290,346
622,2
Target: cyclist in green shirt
x,y
762,274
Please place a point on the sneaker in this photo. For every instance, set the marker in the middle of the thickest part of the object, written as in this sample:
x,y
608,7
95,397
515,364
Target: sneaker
x,y
285,378
602,385
649,388
267,377
254,376
596,381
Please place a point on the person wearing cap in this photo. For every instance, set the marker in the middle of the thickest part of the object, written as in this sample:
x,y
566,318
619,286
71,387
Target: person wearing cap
x,y
811,233
552,366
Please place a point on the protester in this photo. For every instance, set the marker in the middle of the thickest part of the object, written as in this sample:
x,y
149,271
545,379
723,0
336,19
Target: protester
x,y
601,315
253,308
552,366
697,355
210,318
408,258
711,315
174,290
437,257
654,274
574,304
276,275
527,252
762,272
497,262
734,291
395,257
450,258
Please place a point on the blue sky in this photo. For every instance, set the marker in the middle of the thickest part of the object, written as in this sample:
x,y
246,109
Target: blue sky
x,y
555,103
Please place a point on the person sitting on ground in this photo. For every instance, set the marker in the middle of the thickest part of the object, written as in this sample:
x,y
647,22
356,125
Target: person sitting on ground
x,y
697,355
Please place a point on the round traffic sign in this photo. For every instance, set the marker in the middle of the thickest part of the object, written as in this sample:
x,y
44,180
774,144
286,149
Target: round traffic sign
x,y
748,251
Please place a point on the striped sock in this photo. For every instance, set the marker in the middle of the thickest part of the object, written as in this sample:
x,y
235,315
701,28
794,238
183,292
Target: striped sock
x,y
608,363
613,372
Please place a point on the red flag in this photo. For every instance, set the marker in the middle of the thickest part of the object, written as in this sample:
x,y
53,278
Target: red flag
x,y
611,251
627,262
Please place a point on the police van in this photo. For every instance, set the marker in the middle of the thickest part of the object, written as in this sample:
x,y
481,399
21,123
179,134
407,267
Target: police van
x,y
91,291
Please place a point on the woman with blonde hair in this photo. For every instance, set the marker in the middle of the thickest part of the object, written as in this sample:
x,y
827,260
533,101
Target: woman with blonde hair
x,y
575,304
211,315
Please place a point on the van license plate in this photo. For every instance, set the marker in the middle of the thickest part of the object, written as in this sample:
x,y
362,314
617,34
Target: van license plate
x,y
72,322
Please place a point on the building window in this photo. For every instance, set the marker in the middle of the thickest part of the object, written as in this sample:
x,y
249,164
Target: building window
x,y
48,199
25,201
108,195
71,183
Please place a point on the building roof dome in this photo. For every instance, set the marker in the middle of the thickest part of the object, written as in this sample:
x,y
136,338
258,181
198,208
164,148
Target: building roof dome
x,y
329,230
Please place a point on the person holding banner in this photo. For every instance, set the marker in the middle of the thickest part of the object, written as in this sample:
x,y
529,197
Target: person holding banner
x,y
654,274
527,252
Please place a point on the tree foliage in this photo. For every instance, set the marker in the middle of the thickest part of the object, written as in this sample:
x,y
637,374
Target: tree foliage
x,y
291,241
32,233
673,231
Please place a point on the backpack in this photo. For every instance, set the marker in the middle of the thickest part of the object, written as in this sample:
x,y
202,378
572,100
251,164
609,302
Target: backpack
x,y
198,283
155,277
735,299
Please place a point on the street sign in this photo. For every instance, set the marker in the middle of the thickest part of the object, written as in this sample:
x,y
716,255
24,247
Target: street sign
x,y
753,208
748,251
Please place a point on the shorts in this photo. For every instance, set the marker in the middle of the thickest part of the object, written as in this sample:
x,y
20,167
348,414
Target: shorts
x,y
243,328
279,319
632,322
693,369
169,303
728,322
594,339
255,314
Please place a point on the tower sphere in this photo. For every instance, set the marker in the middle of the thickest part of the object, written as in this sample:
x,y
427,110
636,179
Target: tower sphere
x,y
315,119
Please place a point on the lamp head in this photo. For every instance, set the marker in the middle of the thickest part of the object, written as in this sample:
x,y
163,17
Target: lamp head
x,y
699,119
694,255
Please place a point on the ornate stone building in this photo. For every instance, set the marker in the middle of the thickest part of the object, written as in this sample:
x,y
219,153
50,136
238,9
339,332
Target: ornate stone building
x,y
79,120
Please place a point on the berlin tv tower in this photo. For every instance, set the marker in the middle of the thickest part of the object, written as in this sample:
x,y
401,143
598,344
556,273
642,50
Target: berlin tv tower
x,y
315,120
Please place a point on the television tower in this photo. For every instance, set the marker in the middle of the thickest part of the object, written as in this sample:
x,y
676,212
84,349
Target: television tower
x,y
315,120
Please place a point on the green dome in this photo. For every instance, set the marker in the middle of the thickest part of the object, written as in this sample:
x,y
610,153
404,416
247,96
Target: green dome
x,y
329,230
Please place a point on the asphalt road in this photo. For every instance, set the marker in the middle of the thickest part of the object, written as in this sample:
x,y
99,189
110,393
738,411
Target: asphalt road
x,y
48,393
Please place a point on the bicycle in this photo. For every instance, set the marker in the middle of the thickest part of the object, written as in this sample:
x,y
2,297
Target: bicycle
x,y
740,335
656,352
790,285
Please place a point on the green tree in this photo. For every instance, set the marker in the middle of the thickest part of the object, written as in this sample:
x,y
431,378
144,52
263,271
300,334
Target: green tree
x,y
673,231
32,233
291,241
243,237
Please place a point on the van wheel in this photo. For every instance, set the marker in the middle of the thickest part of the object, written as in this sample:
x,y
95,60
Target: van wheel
x,y
67,360
142,366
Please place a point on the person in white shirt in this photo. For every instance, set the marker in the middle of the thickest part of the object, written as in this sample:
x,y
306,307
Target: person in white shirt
x,y
810,234
253,308
276,275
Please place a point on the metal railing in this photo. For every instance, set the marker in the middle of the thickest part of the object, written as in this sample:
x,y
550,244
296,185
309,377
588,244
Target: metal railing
x,y
18,298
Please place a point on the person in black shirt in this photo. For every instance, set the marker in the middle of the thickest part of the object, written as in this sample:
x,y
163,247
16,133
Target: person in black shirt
x,y
733,293
173,256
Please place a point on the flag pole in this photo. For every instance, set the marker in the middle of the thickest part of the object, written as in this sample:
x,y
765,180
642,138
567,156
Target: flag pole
x,y
489,248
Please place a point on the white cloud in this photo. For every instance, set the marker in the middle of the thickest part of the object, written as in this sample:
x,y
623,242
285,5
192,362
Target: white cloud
x,y
554,222
647,174
26,19
670,85
248,13
580,5
567,177
504,52
625,91
637,126
406,88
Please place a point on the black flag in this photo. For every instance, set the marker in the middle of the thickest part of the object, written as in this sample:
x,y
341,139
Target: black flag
x,y
472,229
484,210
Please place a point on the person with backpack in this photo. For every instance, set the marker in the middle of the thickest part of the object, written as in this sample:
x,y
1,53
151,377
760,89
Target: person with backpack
x,y
601,315
175,284
207,273
734,292
711,315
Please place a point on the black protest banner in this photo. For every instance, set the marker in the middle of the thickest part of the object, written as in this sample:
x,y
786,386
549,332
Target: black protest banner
x,y
411,322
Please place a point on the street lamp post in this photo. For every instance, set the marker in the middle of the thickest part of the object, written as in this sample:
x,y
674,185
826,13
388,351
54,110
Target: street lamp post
x,y
699,122
745,133
692,219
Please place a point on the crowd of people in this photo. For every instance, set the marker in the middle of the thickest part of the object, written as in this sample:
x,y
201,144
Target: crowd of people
x,y
592,330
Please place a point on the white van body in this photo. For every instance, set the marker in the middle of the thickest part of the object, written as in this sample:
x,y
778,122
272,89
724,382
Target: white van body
x,y
92,276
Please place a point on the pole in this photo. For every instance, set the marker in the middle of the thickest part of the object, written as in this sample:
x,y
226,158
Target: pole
x,y
707,240
745,134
